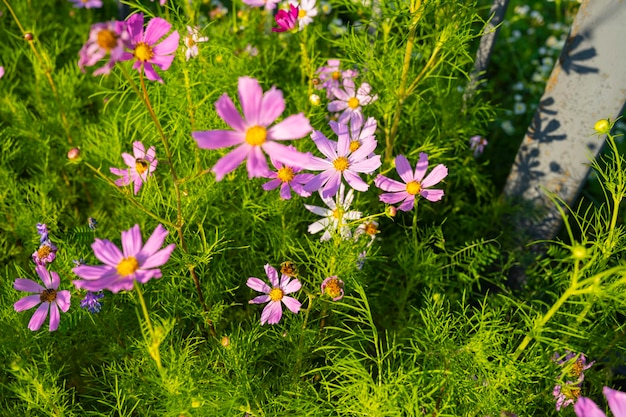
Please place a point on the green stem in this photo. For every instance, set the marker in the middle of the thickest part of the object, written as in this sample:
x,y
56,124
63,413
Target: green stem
x,y
153,348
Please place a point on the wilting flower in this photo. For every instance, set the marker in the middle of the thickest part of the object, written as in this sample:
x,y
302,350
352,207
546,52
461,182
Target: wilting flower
x,y
136,262
288,178
332,287
568,392
252,134
306,13
477,144
334,217
330,76
341,162
104,38
617,403
87,4
286,19
350,101
268,4
91,303
140,166
275,294
565,395
191,42
49,298
145,50
42,231
46,253
414,183
369,228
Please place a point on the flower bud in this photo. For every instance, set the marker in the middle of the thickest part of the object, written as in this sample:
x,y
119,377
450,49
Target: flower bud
x,y
602,126
579,252
28,36
73,154
391,211
225,341
315,99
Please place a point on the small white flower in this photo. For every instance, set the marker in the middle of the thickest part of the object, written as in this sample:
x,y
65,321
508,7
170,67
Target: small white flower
x,y
335,217
508,128
306,13
519,108
191,40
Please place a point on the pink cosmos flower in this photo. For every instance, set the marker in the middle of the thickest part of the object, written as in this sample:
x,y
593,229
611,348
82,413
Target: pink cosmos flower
x,y
414,183
268,4
140,166
252,134
341,162
335,216
104,38
330,76
49,298
286,19
477,144
332,287
46,253
145,50
359,132
87,4
136,262
275,294
617,403
287,178
350,101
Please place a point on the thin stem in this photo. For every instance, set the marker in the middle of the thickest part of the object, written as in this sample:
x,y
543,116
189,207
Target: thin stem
x,y
153,349
47,72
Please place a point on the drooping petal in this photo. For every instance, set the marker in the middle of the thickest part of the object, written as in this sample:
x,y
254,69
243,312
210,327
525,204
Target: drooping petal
x,y
27,285
228,112
295,126
156,29
230,161
26,303
272,106
250,97
585,407
616,400
55,317
436,175
272,275
292,304
272,313
258,285
39,317
216,139
404,169
387,184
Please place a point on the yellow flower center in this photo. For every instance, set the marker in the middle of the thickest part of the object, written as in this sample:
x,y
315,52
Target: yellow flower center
x,y
413,187
141,165
285,174
333,288
106,39
353,103
354,145
256,135
143,52
189,41
301,13
44,251
48,295
127,266
578,367
276,294
570,392
336,75
371,229
337,213
341,163
289,268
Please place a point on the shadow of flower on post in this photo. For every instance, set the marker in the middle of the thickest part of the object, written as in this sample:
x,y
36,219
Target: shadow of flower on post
x,y
569,58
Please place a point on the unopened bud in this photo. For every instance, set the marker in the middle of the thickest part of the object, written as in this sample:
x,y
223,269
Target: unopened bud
x,y
602,126
28,36
73,154
579,252
225,341
391,211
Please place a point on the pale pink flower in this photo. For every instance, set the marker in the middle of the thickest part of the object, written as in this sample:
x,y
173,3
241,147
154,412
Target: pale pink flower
x,y
275,295
140,167
350,100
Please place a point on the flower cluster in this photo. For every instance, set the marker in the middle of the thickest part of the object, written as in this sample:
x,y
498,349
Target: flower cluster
x,y
568,392
126,41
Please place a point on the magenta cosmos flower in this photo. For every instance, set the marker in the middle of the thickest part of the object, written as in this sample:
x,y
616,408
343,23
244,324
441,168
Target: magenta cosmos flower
x,y
275,294
287,178
286,19
341,162
252,134
350,101
48,296
135,262
140,166
414,183
104,38
87,4
146,51
617,403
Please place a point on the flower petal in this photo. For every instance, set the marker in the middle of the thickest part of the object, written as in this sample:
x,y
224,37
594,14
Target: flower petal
x,y
393,198
250,97
387,184
616,400
228,112
26,303
39,317
272,275
272,313
257,164
27,285
156,29
292,304
286,155
272,106
135,27
260,299
355,181
258,285
585,407
291,286
155,241
404,168
216,139
96,272
436,175
332,185
63,300
167,47
139,151
432,195
295,126
159,258
421,167
55,317
229,162
408,203
131,241
366,165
